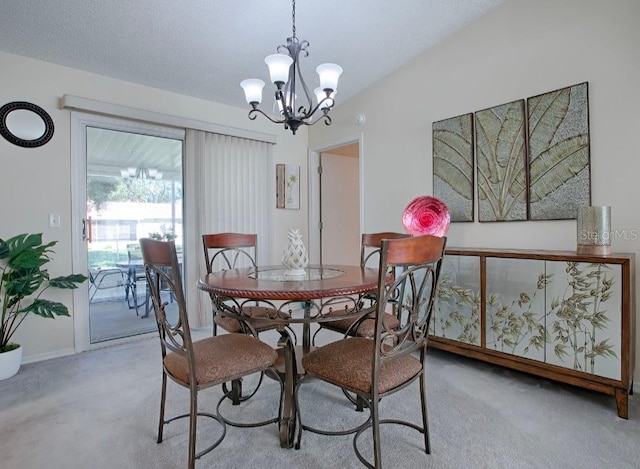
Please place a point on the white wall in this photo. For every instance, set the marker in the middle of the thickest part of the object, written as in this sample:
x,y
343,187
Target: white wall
x,y
520,49
36,181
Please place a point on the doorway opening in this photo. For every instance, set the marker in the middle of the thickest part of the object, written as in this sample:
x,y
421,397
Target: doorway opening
x,y
127,184
335,202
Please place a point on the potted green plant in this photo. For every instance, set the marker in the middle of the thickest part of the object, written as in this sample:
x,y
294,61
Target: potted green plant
x,y
23,280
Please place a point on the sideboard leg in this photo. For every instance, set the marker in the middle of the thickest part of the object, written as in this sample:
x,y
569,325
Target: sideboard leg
x,y
622,403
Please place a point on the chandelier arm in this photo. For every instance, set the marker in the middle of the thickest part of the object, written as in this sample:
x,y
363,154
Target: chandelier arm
x,y
318,106
307,95
295,48
282,49
327,120
281,96
253,112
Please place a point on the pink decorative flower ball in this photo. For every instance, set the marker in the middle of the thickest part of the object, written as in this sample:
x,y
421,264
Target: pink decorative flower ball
x,y
426,215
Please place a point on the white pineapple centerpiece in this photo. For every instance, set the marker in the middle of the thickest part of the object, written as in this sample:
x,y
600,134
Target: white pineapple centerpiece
x,y
295,257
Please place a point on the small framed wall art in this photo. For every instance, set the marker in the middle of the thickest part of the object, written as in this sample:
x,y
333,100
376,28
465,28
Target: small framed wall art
x,y
288,186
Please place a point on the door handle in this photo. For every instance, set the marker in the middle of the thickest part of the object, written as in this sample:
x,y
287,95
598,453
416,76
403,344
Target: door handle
x,y
86,230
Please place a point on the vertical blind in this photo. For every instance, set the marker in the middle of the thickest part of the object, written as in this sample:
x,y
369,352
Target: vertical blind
x,y
229,191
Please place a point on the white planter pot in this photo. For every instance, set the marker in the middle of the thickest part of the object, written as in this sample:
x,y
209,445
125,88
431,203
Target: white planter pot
x,y
10,363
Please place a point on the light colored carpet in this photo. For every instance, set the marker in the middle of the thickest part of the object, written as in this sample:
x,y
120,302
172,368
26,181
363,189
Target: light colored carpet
x,y
99,410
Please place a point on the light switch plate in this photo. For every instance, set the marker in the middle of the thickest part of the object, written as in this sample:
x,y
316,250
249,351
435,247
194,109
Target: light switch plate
x,y
54,220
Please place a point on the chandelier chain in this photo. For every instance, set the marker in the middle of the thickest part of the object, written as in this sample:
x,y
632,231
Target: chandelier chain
x,y
293,17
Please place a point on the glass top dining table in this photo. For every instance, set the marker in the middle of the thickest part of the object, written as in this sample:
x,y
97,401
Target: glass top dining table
x,y
321,290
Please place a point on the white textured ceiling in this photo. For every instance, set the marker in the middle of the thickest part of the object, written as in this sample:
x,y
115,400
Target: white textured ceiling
x,y
204,48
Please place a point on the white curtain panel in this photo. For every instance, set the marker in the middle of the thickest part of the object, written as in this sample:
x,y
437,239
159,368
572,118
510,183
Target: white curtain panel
x,y
227,188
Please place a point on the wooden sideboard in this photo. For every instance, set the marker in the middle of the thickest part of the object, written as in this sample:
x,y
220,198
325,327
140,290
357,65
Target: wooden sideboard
x,y
565,316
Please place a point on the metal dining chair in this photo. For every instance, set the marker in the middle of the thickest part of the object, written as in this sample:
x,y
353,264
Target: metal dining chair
x,y
395,357
197,365
225,251
369,256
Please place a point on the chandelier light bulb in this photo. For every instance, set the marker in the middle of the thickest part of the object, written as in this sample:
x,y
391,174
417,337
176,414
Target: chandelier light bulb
x,y
329,75
252,90
279,65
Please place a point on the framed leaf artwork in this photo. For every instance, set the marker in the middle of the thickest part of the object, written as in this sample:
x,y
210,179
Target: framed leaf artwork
x,y
501,162
559,161
453,165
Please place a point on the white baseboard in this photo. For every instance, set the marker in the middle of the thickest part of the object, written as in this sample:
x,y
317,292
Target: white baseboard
x,y
47,356
109,343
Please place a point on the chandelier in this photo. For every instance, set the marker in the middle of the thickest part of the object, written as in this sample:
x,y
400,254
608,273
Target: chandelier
x,y
141,173
284,71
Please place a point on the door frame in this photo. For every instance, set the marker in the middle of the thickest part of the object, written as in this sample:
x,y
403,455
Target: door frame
x,y
79,122
314,189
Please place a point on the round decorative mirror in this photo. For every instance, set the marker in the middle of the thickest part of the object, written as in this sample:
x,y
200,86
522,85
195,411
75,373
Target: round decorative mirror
x,y
25,124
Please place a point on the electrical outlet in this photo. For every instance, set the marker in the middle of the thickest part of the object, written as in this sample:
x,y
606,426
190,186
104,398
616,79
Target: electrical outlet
x,y
54,220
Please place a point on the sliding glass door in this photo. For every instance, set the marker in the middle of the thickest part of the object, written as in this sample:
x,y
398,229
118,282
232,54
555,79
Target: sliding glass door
x,y
133,191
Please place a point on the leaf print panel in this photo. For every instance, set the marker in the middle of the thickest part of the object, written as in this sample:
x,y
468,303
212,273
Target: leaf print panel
x,y
452,141
456,314
559,166
501,162
584,304
515,307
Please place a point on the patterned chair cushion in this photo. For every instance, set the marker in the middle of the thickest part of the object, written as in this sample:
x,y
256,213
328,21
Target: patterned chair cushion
x,y
214,363
366,327
348,363
230,324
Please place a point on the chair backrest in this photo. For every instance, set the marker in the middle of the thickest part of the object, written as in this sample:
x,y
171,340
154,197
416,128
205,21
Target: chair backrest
x,y
163,272
416,262
371,244
223,251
